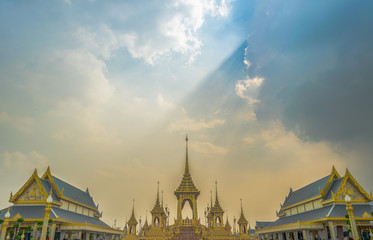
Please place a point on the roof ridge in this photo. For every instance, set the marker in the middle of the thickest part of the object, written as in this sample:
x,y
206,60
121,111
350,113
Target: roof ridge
x,y
70,184
311,183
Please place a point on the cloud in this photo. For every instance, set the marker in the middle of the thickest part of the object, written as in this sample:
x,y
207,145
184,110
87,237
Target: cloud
x,y
318,76
69,74
159,30
249,140
68,2
245,60
21,124
189,124
18,161
208,148
101,41
249,88
163,104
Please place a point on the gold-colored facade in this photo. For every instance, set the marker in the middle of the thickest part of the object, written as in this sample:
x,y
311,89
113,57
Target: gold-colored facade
x,y
185,228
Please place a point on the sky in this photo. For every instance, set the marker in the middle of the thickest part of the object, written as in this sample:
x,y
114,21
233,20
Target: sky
x,y
271,93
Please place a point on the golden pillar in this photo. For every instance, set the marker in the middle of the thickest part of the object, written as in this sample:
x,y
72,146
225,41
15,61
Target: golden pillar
x,y
48,209
350,211
5,225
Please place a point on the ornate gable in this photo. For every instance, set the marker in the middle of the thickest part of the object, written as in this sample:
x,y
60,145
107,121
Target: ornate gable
x,y
48,176
31,192
351,187
333,176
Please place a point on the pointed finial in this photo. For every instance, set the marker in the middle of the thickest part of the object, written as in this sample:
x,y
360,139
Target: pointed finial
x,y
158,192
133,207
186,156
211,197
241,206
162,198
216,191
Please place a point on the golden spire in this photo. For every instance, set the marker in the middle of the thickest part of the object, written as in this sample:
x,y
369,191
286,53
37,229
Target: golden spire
x,y
132,220
216,191
216,207
158,192
211,197
133,208
186,171
241,206
242,219
227,225
157,207
187,185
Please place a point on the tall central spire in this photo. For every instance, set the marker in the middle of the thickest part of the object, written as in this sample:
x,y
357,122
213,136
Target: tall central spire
x,y
158,192
186,171
187,184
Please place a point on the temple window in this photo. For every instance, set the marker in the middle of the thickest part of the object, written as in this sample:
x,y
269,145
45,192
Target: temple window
x,y
156,222
218,221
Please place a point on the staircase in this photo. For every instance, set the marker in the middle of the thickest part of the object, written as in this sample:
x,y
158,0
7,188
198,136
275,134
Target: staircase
x,y
187,234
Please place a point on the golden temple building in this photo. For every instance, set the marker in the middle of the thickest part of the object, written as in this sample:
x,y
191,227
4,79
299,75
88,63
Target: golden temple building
x,y
185,228
332,207
47,207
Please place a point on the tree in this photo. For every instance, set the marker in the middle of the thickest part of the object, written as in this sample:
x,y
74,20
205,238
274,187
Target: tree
x,y
20,221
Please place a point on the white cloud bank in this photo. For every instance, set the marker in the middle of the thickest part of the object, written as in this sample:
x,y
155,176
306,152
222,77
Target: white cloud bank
x,y
171,27
18,161
190,125
21,124
249,88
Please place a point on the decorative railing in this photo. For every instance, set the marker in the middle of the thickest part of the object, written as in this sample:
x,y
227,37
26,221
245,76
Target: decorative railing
x,y
187,222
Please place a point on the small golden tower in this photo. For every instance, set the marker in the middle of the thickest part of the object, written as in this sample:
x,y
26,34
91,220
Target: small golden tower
x,y
132,222
242,222
217,211
158,214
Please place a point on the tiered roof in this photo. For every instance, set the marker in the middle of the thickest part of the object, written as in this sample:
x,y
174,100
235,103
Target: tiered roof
x,y
329,191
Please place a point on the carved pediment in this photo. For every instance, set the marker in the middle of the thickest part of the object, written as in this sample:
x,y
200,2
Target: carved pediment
x,y
31,191
352,188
